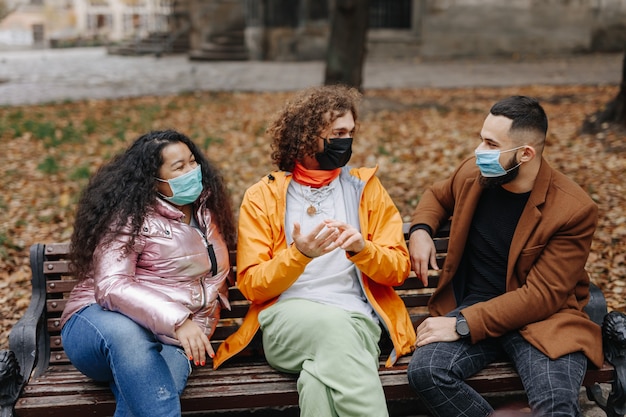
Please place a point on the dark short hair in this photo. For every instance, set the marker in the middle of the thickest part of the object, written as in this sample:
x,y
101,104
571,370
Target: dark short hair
x,y
525,112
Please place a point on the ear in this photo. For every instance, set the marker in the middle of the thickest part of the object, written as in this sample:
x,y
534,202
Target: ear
x,y
528,154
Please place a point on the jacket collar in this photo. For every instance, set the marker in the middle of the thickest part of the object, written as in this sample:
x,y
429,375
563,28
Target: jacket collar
x,y
531,216
167,210
541,185
282,178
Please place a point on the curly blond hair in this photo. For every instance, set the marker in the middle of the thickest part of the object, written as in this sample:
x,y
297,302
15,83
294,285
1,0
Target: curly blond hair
x,y
296,128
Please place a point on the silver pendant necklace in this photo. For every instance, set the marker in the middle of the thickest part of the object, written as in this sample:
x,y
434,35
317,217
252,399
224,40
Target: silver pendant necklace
x,y
314,197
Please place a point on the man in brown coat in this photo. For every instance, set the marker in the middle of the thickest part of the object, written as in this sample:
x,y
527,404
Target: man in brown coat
x,y
514,281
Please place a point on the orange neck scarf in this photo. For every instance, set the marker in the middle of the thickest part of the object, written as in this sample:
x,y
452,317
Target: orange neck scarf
x,y
315,178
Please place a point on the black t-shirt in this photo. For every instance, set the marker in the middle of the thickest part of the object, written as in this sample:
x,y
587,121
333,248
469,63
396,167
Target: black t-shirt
x,y
484,261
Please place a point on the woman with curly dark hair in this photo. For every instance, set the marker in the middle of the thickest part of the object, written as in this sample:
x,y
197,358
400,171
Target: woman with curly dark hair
x,y
150,247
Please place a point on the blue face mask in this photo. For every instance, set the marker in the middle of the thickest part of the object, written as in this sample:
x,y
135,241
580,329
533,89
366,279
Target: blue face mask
x,y
186,188
488,162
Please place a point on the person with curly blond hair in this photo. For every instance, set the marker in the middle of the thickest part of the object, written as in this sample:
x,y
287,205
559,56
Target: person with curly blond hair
x,y
320,248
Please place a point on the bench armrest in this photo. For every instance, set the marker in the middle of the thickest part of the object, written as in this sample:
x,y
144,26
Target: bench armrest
x,y
28,341
596,308
614,341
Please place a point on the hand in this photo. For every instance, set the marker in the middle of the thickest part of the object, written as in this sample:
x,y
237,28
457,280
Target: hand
x,y
320,241
436,329
422,251
195,342
349,238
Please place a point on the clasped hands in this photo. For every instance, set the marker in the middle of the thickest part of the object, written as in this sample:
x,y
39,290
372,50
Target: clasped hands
x,y
326,237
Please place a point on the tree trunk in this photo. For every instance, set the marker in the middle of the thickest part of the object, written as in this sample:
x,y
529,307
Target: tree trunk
x,y
345,56
614,112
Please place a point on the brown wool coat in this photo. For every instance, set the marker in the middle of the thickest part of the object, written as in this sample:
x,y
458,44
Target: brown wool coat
x,y
547,286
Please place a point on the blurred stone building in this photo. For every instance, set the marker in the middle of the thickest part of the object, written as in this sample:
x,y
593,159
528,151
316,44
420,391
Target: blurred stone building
x,y
84,22
32,23
292,30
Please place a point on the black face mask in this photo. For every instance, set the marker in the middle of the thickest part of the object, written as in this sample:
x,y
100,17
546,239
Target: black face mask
x,y
336,154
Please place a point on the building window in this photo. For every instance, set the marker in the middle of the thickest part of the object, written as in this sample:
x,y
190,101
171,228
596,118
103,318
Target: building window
x,y
282,13
318,10
38,33
390,14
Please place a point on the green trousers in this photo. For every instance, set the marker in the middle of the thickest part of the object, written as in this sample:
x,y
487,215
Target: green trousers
x,y
334,351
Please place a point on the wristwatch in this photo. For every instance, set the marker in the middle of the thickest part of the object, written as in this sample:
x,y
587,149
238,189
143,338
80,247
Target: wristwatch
x,y
461,326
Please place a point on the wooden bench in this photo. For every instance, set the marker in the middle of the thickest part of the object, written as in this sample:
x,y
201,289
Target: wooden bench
x,y
48,385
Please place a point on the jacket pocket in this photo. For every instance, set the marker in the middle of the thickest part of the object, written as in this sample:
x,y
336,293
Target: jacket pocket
x,y
526,261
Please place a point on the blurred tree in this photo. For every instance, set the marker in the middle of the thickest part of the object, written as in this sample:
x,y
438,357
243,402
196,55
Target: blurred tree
x,y
349,21
4,10
614,112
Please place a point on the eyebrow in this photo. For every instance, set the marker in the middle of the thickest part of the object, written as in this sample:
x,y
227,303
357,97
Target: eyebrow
x,y
343,129
182,160
490,140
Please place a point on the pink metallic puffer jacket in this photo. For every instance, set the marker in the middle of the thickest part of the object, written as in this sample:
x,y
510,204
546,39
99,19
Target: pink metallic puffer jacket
x,y
168,277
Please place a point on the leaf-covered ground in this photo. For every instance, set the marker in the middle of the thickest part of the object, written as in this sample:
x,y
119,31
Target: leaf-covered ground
x,y
415,136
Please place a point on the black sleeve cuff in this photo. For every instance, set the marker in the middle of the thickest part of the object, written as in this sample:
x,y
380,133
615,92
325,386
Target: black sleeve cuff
x,y
422,226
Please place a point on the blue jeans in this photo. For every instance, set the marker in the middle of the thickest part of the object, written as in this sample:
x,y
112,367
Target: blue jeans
x,y
437,372
145,375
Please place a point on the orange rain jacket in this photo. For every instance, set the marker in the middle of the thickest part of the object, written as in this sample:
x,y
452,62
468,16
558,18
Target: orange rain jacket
x,y
267,266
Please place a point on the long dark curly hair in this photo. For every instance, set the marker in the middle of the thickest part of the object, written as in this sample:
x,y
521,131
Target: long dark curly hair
x,y
122,192
296,128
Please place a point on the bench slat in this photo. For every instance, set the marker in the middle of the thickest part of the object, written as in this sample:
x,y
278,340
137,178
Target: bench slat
x,y
56,267
58,286
231,387
57,249
56,305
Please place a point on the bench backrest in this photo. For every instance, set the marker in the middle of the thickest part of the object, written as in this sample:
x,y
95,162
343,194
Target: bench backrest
x,y
51,271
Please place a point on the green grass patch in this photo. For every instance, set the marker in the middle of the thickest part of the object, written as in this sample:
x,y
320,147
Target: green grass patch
x,y
49,165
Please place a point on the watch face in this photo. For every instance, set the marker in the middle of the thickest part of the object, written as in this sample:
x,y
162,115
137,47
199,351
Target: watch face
x,y
462,328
